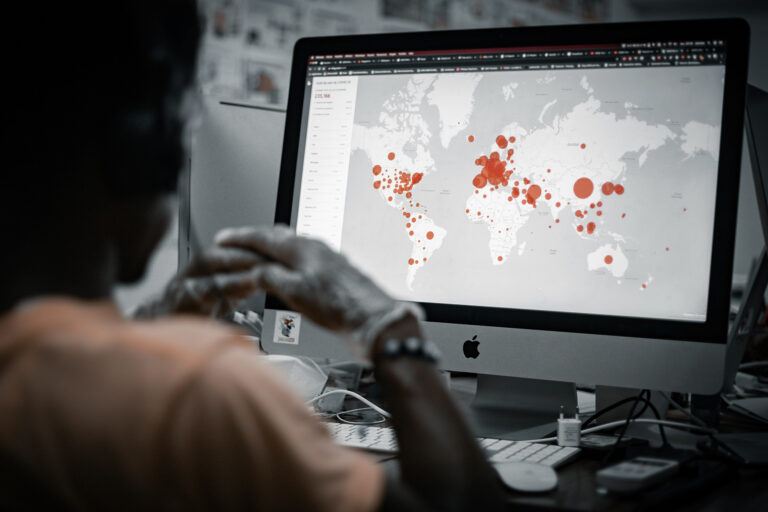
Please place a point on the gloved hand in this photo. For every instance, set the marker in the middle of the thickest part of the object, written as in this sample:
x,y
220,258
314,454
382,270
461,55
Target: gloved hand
x,y
211,285
317,282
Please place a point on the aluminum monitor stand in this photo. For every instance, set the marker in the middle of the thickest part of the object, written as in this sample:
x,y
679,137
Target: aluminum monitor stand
x,y
518,409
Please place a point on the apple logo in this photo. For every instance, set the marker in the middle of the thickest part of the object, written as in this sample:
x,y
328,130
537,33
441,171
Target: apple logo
x,y
470,348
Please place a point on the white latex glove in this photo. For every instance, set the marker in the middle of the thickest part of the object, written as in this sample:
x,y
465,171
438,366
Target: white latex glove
x,y
211,285
317,282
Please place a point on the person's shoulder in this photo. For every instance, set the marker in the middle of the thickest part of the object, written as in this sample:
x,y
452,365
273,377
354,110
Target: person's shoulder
x,y
97,330
188,333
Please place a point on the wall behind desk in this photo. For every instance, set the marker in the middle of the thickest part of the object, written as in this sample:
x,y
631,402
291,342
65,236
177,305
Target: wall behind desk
x,y
233,174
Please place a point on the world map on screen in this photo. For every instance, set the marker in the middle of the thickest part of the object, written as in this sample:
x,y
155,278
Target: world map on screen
x,y
579,190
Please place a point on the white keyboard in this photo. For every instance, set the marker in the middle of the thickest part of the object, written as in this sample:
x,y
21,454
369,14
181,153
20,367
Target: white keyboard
x,y
382,439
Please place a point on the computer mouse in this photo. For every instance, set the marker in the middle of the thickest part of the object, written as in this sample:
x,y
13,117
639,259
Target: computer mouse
x,y
526,476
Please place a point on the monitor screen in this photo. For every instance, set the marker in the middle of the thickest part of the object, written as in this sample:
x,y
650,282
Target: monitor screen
x,y
573,179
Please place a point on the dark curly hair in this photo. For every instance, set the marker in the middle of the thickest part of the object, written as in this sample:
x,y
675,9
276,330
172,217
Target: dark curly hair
x,y
104,81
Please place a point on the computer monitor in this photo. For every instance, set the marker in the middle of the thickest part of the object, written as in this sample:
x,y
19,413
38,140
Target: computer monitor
x,y
560,200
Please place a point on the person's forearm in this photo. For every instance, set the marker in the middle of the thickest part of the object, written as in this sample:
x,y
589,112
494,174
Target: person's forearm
x,y
440,461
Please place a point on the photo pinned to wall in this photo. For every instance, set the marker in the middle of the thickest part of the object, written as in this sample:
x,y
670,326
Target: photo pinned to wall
x,y
247,44
430,14
264,82
224,18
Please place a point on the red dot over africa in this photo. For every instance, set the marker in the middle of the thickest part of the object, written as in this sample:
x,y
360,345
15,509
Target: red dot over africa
x,y
583,188
391,156
430,235
608,259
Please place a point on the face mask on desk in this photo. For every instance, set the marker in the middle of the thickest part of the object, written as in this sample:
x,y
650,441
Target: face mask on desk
x,y
303,375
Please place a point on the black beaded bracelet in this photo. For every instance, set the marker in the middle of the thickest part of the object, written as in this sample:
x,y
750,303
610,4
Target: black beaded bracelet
x,y
411,347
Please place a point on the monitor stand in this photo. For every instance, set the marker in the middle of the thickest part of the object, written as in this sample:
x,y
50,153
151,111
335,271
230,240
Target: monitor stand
x,y
518,409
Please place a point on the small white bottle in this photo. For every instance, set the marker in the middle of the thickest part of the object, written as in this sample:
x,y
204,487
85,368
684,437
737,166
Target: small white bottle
x,y
568,429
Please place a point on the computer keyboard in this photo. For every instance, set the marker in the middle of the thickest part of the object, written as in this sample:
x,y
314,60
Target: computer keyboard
x,y
382,439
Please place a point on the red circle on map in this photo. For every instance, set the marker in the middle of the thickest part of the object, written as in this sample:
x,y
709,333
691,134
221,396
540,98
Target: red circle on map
x,y
501,141
430,235
608,259
391,156
479,181
583,188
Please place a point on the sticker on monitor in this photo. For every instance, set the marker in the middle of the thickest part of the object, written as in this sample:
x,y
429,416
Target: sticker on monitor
x,y
287,327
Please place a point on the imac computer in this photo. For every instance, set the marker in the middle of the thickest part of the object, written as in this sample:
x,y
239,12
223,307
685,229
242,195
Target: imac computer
x,y
560,200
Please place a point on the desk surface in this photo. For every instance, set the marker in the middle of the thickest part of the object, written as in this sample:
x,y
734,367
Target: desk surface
x,y
733,490
578,491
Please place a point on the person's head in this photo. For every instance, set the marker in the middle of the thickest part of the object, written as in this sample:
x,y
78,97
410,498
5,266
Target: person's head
x,y
97,109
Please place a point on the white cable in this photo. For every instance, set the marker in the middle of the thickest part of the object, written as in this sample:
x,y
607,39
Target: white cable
x,y
350,411
337,364
354,395
753,364
666,423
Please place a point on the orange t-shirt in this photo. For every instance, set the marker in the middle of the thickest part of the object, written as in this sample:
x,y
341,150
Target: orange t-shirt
x,y
99,412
